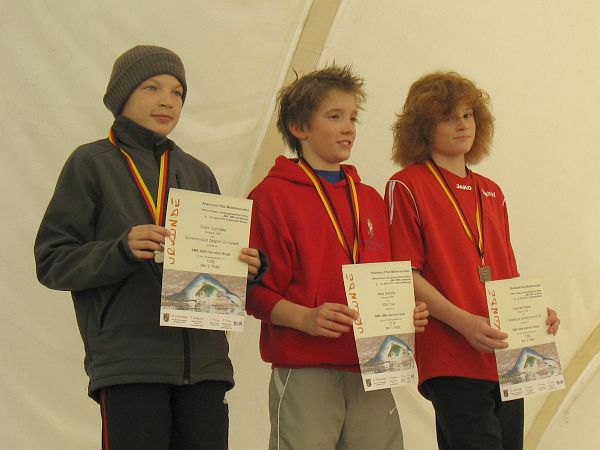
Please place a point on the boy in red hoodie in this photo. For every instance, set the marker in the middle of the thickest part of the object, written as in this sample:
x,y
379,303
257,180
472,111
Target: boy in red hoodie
x,y
311,215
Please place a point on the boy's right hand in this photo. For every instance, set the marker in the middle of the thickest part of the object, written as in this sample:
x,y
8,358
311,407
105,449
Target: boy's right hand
x,y
329,320
144,240
478,332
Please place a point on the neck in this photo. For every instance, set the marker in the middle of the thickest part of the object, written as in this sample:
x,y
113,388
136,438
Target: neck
x,y
319,164
454,164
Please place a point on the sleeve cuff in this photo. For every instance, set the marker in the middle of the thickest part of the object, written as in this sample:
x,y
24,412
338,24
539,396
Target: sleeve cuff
x,y
264,267
124,249
261,302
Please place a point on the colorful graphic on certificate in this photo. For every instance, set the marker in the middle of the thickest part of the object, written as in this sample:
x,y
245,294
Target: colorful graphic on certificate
x,y
383,295
530,365
204,282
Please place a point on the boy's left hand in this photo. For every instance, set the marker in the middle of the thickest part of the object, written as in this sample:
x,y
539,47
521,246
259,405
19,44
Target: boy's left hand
x,y
552,321
420,316
250,257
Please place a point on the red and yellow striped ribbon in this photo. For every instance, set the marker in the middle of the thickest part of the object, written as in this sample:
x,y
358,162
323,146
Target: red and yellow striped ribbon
x,y
329,208
157,210
459,212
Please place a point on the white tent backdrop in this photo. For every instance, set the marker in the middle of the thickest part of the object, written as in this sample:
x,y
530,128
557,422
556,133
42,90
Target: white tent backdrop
x,y
537,59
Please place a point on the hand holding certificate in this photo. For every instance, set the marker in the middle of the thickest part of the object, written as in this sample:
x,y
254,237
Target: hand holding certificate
x,y
204,282
530,364
383,295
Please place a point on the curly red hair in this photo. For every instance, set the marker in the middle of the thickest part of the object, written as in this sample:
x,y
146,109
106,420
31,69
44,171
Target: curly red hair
x,y
430,99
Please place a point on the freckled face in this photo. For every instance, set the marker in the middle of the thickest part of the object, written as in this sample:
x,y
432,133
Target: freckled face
x,y
156,104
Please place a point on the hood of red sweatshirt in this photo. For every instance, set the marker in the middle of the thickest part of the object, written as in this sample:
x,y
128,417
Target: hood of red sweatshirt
x,y
288,169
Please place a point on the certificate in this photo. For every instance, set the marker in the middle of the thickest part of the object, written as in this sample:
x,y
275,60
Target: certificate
x,y
383,295
530,365
204,282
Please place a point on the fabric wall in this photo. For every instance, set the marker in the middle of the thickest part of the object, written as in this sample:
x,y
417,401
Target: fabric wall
x,y
537,59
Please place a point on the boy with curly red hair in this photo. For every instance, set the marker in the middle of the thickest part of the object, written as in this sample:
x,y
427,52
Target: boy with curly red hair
x,y
452,223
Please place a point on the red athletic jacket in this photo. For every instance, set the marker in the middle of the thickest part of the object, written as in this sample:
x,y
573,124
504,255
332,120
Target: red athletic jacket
x,y
425,229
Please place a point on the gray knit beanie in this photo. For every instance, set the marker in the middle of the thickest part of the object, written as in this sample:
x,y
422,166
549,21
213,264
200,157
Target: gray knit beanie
x,y
137,65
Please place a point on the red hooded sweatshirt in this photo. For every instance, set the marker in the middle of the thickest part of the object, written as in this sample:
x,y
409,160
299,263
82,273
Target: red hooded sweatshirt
x,y
290,223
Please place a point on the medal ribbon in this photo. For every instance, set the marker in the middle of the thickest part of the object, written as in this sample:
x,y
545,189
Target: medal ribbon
x,y
478,212
353,196
157,210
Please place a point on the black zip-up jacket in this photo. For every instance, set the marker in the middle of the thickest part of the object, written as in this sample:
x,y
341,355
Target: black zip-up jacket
x,y
81,247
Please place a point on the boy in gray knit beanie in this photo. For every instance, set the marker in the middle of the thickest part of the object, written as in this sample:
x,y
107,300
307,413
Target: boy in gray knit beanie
x,y
136,65
158,387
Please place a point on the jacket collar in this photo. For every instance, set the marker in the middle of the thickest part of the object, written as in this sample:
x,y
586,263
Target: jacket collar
x,y
133,135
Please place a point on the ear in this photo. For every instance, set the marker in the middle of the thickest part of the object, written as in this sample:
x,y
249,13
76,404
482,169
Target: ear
x,y
298,131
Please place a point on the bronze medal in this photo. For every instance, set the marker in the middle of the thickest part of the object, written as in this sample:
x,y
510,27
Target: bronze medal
x,y
485,273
